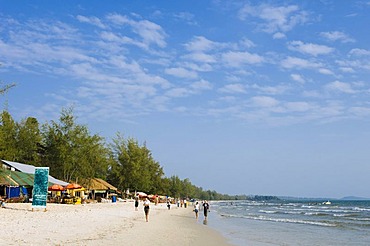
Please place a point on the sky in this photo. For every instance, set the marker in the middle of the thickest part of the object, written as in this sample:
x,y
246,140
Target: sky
x,y
241,97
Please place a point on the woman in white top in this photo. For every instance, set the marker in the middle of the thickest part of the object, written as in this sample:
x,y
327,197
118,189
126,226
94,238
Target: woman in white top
x,y
196,209
146,209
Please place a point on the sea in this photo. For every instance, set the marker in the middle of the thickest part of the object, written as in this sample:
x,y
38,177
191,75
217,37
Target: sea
x,y
291,222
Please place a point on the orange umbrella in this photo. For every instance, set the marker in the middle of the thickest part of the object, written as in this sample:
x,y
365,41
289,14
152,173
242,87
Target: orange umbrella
x,y
56,187
73,186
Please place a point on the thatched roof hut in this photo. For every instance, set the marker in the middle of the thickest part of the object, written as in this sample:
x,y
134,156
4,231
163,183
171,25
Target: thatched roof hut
x,y
98,187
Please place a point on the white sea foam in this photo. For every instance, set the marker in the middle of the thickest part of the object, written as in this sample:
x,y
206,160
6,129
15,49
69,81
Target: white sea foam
x,y
361,209
342,215
268,212
264,218
359,219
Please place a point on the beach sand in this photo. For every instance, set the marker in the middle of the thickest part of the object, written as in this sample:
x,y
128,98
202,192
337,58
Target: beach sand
x,y
103,224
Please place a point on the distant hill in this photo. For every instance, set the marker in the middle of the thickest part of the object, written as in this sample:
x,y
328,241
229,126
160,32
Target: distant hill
x,y
354,198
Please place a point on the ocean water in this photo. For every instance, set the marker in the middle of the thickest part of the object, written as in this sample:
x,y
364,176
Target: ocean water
x,y
292,222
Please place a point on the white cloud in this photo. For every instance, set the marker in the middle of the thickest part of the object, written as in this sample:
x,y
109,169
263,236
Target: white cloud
x,y
337,36
310,48
150,32
278,35
203,67
277,19
200,44
91,20
201,85
112,37
340,87
189,18
298,106
200,57
359,52
233,88
326,71
272,90
181,72
347,69
311,93
236,59
263,101
299,78
194,88
178,92
299,63
360,111
245,42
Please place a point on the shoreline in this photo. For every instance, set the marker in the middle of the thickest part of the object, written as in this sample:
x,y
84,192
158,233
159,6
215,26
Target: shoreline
x,y
104,223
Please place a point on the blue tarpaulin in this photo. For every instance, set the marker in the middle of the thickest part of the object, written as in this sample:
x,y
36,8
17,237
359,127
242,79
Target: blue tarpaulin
x,y
15,192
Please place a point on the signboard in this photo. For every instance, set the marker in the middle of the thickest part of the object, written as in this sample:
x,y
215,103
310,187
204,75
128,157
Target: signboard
x,y
40,187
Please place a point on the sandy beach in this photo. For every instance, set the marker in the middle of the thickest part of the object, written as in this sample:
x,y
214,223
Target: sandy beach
x,y
103,224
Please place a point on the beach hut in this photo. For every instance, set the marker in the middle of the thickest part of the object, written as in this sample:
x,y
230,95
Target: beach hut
x,y
56,193
98,188
30,169
17,186
75,194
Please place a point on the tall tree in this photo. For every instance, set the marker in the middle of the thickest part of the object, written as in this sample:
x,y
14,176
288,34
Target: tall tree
x,y
29,141
8,137
135,168
176,189
71,152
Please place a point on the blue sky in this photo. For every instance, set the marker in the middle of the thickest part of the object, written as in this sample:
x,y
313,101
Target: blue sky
x,y
241,97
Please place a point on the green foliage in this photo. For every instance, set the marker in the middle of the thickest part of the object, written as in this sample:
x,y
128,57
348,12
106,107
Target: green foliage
x,y
29,141
71,152
8,137
135,167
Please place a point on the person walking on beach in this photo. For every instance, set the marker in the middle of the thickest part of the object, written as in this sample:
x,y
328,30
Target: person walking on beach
x,y
146,209
136,203
196,209
206,209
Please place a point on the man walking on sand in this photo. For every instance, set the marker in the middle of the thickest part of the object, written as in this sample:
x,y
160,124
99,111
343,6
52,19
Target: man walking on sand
x,y
206,209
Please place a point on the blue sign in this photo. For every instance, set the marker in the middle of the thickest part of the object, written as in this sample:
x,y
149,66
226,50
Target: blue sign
x,y
40,187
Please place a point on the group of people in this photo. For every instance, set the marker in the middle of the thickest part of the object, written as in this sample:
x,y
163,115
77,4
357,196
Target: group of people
x,y
146,205
205,206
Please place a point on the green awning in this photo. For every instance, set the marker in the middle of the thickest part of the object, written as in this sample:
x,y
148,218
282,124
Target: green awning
x,y
5,180
15,178
23,179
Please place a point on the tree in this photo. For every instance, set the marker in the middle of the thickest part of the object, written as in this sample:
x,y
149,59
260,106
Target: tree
x,y
176,187
8,137
135,167
71,152
29,141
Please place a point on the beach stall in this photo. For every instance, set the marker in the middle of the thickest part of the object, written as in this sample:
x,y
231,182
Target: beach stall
x,y
16,186
74,194
99,189
56,193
